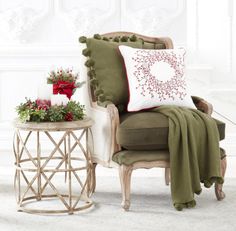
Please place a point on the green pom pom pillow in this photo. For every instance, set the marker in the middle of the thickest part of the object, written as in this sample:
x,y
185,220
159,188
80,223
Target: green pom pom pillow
x,y
106,67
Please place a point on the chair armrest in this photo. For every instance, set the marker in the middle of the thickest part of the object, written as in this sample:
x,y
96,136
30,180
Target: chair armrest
x,y
202,105
115,121
104,130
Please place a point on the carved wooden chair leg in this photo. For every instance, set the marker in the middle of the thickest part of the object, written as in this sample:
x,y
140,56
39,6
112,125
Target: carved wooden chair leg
x,y
125,177
167,176
220,195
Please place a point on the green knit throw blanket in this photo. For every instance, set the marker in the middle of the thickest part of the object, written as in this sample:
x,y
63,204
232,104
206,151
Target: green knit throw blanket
x,y
194,153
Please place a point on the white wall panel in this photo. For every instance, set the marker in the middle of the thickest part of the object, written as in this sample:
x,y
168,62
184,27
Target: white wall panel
x,y
91,16
56,21
38,35
155,18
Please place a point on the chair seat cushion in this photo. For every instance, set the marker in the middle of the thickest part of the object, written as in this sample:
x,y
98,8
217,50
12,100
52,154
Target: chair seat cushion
x,y
128,157
148,131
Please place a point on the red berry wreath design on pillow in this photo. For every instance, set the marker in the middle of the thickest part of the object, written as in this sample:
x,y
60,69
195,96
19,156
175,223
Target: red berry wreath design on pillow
x,y
153,84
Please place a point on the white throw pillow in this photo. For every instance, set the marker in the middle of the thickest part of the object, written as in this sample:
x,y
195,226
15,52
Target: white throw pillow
x,y
155,77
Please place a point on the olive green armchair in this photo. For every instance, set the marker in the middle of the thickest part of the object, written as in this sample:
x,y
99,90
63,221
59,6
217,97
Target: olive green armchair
x,y
127,140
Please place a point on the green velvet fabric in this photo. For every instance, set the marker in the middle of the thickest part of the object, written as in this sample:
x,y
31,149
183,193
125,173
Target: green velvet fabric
x,y
128,157
148,131
143,131
109,69
221,128
193,142
160,46
147,45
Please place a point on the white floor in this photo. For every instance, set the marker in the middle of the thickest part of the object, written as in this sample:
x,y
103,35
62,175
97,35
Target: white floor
x,y
151,209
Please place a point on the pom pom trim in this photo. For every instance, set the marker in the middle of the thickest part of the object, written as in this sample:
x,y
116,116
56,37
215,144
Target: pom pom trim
x,y
86,52
82,39
97,36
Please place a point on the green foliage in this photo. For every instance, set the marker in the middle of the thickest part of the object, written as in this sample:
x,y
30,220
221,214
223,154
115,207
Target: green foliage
x,y
34,111
62,75
29,111
76,109
56,113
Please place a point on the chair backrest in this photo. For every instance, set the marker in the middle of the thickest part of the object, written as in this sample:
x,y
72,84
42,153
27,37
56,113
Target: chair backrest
x,y
147,43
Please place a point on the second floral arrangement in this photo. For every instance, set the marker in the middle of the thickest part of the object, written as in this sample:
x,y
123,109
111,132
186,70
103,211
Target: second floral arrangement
x,y
64,81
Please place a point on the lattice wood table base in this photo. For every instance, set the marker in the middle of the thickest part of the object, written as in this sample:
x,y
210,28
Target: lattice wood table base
x,y
38,172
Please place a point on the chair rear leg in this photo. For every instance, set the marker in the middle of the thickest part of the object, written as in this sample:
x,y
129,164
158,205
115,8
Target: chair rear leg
x,y
220,195
92,180
167,176
125,178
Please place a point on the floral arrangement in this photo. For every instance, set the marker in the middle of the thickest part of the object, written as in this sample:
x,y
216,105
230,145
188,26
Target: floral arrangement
x,y
43,111
64,81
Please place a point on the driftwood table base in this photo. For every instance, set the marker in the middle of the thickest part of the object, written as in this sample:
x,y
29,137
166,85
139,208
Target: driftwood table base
x,y
38,172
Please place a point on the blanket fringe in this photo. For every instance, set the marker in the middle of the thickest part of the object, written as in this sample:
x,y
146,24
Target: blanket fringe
x,y
180,206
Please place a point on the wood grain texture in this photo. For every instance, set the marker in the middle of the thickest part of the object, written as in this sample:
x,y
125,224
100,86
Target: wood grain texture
x,y
53,126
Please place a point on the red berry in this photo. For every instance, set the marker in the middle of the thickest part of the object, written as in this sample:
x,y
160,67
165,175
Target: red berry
x,y
69,116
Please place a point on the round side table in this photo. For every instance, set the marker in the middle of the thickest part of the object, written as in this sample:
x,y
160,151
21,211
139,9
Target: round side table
x,y
38,170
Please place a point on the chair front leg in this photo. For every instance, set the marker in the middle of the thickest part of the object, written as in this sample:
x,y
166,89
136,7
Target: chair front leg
x,y
220,195
92,184
125,178
167,176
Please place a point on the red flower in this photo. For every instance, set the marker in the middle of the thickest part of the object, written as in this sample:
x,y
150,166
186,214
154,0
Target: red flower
x,y
69,116
43,104
64,87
